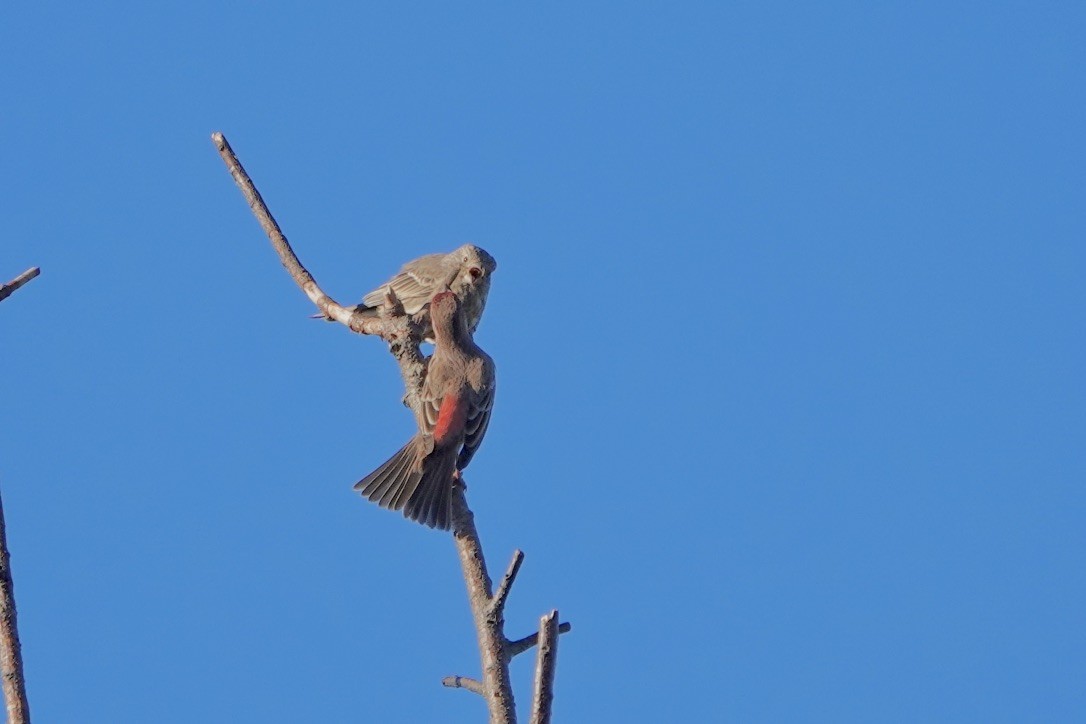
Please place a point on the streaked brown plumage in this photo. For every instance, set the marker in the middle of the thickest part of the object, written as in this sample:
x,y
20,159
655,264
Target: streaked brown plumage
x,y
456,399
464,271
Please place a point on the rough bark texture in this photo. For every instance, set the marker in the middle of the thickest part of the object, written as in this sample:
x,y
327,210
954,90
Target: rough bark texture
x,y
11,653
514,648
463,682
11,656
489,618
545,666
6,290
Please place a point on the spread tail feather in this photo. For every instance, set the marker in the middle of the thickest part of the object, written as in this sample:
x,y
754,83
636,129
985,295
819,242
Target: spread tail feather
x,y
393,482
422,489
432,501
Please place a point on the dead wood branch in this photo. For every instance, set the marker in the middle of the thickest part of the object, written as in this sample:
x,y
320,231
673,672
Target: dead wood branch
x,y
394,326
546,663
11,652
463,682
498,604
11,655
6,290
518,647
489,623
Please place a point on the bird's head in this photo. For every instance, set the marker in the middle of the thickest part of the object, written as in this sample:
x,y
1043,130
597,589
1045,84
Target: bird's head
x,y
475,268
446,302
444,311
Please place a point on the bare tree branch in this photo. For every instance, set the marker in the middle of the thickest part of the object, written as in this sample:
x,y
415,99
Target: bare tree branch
x,y
463,682
6,290
546,663
402,332
498,604
11,655
299,273
518,647
489,624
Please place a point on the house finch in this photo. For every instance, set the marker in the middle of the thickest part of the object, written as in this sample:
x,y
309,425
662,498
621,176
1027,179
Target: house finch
x,y
455,405
465,272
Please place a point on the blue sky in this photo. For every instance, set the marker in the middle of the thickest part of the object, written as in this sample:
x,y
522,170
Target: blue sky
x,y
788,324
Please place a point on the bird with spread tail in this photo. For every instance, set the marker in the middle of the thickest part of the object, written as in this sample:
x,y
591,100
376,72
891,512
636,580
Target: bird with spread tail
x,y
455,403
464,271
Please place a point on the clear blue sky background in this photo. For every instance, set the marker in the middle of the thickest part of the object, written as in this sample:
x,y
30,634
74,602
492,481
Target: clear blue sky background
x,y
788,322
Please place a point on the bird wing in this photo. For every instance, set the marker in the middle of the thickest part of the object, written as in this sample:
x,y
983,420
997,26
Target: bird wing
x,y
395,481
478,419
414,284
429,410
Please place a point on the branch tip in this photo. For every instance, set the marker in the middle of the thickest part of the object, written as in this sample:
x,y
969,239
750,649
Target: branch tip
x,y
6,290
497,605
463,682
328,307
546,664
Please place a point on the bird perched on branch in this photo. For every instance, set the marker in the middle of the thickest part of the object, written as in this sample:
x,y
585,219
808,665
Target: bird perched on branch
x,y
454,412
464,271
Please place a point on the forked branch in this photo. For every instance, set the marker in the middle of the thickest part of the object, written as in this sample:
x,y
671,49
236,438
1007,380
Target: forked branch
x,y
518,647
497,687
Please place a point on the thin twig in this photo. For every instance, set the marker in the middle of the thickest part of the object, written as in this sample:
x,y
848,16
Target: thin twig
x,y
546,663
518,647
6,290
402,332
11,656
328,306
463,682
497,605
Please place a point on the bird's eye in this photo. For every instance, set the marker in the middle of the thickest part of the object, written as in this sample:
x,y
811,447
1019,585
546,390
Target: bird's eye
x,y
475,272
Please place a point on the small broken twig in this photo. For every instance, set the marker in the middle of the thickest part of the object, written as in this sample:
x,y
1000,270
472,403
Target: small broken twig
x,y
6,290
463,682
11,655
546,663
518,647
498,604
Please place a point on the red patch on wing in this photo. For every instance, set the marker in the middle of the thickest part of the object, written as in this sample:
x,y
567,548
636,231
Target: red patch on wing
x,y
450,418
